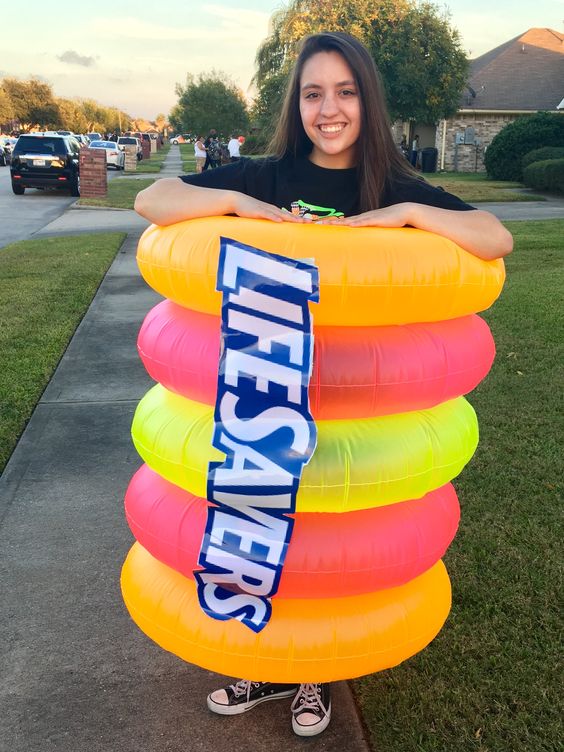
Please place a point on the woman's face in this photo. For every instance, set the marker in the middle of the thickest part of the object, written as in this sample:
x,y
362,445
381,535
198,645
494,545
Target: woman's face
x,y
330,110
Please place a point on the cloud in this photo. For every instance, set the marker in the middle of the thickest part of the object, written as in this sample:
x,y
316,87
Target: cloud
x,y
73,58
216,23
239,17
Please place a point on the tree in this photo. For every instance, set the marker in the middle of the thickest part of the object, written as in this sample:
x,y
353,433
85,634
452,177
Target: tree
x,y
418,53
72,115
6,109
423,67
210,101
95,116
33,103
278,52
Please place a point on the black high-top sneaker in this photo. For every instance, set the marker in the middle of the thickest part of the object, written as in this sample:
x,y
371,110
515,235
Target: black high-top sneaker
x,y
244,695
311,709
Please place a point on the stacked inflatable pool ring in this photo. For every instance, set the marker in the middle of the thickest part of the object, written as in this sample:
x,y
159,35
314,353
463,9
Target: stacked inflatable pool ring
x,y
393,544
358,371
397,345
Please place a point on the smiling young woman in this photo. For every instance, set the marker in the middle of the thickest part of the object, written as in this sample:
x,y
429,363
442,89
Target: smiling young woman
x,y
333,160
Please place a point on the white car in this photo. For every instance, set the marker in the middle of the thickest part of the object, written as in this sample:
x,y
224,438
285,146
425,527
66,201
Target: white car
x,y
114,156
130,141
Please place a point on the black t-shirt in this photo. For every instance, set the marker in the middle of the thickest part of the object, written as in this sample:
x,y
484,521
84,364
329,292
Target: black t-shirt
x,y
326,192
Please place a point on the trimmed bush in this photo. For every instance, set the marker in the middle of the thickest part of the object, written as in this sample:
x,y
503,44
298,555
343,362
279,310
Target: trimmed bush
x,y
545,176
540,155
503,156
254,144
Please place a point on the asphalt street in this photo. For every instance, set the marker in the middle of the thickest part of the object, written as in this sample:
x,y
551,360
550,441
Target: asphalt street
x,y
22,216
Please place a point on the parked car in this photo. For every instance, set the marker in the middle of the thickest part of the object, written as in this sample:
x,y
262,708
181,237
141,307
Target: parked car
x,y
82,139
95,136
65,133
130,141
45,160
6,147
114,156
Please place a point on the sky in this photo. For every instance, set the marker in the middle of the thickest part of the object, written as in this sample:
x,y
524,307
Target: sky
x,y
131,54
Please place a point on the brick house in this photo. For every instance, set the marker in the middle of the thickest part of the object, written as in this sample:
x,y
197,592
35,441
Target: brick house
x,y
520,77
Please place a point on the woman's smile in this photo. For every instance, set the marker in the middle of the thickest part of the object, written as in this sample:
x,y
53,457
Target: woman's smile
x,y
331,129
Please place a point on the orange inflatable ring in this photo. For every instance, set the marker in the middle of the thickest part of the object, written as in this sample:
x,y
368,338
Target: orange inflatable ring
x,y
317,640
368,276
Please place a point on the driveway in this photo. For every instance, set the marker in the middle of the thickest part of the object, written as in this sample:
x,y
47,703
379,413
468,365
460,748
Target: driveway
x,y
22,216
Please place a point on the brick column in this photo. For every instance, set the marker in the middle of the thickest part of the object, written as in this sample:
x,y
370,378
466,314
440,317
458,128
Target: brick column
x,y
130,157
146,149
93,173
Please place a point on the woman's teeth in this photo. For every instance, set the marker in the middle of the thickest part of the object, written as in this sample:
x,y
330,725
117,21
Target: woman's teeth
x,y
331,128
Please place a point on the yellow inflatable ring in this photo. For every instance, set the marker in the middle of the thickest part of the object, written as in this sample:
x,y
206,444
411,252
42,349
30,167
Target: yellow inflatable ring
x,y
357,464
318,640
368,276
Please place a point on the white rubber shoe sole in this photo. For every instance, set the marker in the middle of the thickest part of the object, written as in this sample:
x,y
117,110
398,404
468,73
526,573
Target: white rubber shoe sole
x,y
313,730
217,707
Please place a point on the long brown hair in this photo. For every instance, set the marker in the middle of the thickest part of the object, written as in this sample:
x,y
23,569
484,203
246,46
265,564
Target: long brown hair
x,y
378,158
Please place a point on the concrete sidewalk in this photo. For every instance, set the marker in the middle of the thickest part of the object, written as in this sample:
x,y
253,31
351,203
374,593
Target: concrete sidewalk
x,y
77,674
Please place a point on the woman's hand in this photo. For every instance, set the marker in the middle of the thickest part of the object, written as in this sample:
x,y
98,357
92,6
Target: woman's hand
x,y
252,208
478,232
390,216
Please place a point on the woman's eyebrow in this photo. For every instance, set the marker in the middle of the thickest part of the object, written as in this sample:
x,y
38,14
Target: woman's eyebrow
x,y
317,86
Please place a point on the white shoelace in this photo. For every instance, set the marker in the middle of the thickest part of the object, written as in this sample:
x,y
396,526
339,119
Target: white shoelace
x,y
308,698
243,687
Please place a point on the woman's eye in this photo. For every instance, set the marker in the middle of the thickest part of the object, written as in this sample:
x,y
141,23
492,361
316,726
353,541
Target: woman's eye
x,y
311,95
348,92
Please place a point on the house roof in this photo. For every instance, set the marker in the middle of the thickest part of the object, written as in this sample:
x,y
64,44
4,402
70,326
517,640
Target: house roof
x,y
525,73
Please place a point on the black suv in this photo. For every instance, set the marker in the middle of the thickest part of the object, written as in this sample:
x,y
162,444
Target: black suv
x,y
45,160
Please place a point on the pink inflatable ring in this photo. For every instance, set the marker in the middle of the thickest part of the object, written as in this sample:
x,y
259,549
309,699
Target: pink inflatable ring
x,y
330,555
357,371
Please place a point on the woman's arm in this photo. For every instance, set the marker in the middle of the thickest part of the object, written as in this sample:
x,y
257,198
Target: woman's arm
x,y
478,232
171,200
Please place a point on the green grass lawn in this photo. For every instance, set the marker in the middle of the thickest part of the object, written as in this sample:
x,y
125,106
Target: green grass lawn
x,y
476,187
45,288
155,162
490,681
121,193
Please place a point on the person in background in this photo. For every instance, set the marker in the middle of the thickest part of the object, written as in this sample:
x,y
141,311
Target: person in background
x,y
414,150
332,149
403,146
234,146
200,153
213,154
